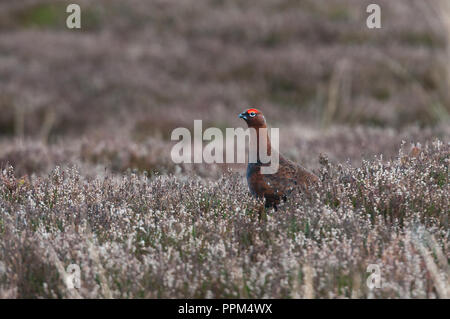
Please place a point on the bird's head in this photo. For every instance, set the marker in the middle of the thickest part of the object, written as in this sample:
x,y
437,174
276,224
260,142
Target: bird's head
x,y
253,118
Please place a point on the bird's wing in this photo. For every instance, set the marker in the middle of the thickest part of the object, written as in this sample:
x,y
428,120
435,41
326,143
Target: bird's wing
x,y
289,176
284,180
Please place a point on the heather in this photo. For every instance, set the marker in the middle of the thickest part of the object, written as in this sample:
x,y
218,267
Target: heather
x,y
86,175
167,236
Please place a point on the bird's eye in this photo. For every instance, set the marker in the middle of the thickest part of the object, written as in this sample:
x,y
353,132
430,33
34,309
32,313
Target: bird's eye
x,y
252,114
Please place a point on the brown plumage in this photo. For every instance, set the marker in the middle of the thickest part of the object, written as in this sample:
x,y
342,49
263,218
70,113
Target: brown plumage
x,y
277,186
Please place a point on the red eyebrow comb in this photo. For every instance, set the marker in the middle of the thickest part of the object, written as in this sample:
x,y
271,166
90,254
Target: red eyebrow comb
x,y
253,110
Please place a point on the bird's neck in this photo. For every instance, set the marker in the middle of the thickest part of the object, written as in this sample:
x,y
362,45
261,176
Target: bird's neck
x,y
262,139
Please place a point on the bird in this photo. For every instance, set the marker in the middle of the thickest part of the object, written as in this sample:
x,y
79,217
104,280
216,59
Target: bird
x,y
289,176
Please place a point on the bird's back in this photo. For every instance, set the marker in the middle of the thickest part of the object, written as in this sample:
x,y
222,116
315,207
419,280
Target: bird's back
x,y
276,186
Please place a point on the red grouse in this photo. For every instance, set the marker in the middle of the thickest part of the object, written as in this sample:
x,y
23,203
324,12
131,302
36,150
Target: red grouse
x,y
276,186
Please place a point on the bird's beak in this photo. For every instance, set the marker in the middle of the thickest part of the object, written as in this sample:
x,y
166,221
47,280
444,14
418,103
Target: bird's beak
x,y
243,116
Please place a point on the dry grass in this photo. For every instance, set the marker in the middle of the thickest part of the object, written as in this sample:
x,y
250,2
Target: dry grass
x,y
160,63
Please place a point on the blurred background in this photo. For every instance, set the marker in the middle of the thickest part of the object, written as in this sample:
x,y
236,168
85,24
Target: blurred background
x,y
110,94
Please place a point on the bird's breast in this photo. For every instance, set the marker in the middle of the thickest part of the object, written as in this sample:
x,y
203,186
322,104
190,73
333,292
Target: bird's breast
x,y
256,183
